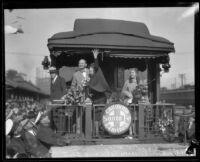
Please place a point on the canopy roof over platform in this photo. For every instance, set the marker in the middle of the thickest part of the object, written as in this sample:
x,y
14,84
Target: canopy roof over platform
x,y
115,38
110,34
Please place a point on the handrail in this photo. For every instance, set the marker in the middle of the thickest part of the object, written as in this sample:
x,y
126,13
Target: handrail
x,y
185,115
99,105
160,104
66,105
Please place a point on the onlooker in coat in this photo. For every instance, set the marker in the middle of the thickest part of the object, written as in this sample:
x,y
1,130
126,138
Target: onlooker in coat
x,y
58,90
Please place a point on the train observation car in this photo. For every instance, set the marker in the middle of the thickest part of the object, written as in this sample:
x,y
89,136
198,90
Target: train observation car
x,y
123,45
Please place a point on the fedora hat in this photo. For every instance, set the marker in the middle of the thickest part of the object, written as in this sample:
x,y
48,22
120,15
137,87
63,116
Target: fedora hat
x,y
52,70
9,126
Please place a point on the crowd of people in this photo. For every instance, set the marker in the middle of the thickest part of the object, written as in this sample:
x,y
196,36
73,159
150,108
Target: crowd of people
x,y
24,107
28,130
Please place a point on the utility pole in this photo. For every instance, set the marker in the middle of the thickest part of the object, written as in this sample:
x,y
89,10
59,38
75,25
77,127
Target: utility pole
x,y
182,77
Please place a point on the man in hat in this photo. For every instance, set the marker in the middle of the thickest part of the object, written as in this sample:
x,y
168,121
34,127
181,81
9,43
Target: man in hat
x,y
47,136
58,90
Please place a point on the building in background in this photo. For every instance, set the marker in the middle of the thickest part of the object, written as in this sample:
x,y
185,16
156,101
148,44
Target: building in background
x,y
43,79
21,89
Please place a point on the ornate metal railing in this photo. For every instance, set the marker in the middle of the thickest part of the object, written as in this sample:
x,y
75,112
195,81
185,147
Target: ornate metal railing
x,y
67,119
150,119
147,119
85,120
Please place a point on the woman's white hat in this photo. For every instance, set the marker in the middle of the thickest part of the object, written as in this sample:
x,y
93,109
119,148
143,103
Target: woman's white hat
x,y
9,125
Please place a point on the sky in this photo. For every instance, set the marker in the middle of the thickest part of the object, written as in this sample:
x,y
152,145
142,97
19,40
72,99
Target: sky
x,y
24,52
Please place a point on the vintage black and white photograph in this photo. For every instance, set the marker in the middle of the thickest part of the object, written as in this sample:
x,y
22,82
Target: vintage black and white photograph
x,y
100,82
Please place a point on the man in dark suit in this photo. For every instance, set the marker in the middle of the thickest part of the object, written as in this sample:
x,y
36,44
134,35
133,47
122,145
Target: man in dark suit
x,y
58,90
58,85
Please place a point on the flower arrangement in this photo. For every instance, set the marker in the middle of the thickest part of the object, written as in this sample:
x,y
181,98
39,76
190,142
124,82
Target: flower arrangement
x,y
85,82
140,92
166,127
164,123
74,96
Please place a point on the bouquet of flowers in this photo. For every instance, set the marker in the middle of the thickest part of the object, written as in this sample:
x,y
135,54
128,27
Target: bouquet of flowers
x,y
85,82
166,127
164,123
139,93
74,96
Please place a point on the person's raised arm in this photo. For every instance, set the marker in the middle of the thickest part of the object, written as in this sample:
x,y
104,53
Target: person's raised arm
x,y
95,54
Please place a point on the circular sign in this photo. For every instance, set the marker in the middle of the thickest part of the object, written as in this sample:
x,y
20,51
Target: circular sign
x,y
116,118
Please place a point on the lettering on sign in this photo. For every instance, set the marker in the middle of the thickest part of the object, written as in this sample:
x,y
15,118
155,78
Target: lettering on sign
x,y
116,119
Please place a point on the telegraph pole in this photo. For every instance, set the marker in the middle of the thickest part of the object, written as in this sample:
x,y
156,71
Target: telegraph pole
x,y
182,77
